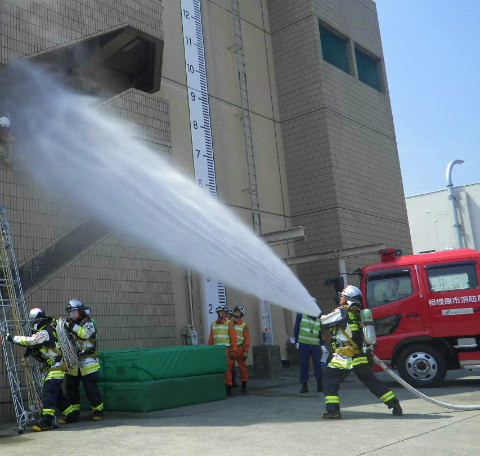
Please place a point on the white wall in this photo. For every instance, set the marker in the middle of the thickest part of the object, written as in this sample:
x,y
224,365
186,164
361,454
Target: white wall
x,y
431,220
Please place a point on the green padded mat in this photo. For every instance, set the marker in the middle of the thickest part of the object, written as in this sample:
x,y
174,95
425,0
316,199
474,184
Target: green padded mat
x,y
163,394
145,365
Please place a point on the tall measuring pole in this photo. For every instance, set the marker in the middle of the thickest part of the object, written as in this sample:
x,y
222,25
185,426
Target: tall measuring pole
x,y
212,291
453,201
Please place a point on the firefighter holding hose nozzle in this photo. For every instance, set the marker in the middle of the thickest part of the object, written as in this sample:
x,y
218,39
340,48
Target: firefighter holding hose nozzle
x,y
350,350
5,139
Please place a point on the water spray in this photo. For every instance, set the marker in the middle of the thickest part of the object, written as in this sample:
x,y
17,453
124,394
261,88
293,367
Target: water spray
x,y
67,144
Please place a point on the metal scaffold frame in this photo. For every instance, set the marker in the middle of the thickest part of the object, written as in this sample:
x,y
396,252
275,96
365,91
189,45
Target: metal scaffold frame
x,y
23,378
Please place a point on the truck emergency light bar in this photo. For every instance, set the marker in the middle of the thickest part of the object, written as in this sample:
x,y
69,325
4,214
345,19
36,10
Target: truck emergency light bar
x,y
389,254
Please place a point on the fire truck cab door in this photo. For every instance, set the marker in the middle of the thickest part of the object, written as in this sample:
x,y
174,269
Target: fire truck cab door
x,y
393,297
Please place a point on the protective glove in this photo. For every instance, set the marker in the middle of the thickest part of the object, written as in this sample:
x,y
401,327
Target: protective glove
x,y
233,354
9,337
297,345
68,325
245,355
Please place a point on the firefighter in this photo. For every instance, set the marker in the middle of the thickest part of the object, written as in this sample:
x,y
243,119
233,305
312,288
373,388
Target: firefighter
x,y
84,334
223,333
347,355
5,139
243,344
231,318
43,345
308,340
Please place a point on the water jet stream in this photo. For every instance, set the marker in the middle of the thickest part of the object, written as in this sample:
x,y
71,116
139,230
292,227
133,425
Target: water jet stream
x,y
66,143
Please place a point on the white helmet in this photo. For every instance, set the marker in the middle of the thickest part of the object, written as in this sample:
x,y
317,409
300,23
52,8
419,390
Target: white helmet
x,y
4,122
353,295
37,318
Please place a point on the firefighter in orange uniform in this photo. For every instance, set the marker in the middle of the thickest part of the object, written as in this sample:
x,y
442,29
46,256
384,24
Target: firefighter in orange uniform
x,y
243,343
223,333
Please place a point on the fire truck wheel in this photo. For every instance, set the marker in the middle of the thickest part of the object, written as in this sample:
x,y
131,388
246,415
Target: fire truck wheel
x,y
422,365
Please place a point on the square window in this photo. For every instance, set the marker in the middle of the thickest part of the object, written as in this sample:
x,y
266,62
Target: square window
x,y
334,49
367,68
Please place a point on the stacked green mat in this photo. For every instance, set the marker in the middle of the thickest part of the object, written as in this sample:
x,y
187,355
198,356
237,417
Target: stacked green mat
x,y
145,380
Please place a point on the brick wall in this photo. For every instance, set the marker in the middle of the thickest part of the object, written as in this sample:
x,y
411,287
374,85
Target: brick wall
x,y
129,288
343,171
30,28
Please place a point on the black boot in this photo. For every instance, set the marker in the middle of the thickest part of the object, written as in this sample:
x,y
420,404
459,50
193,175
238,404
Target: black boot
x,y
304,388
97,415
229,391
244,387
319,386
332,415
72,417
46,423
394,404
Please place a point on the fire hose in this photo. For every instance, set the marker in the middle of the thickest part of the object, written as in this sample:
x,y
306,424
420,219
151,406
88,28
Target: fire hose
x,y
418,393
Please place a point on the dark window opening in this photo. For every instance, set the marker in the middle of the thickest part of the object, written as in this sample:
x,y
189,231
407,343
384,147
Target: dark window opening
x,y
368,71
386,287
334,49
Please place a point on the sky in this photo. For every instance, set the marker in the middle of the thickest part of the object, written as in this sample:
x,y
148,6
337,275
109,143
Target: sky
x,y
432,56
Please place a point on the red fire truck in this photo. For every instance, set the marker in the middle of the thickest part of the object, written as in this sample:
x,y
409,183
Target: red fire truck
x,y
426,310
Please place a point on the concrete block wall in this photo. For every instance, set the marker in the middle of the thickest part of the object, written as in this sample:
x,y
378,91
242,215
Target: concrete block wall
x,y
146,114
129,288
31,28
343,172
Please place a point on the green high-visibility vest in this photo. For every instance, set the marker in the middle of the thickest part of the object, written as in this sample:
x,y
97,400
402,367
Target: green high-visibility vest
x,y
239,331
220,333
309,332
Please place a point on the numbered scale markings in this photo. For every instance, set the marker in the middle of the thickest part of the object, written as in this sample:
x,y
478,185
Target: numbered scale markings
x,y
200,127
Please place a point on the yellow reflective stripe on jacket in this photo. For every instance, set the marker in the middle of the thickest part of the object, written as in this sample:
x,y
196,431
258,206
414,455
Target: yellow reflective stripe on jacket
x,y
89,369
332,400
239,331
55,373
81,332
353,326
388,396
309,331
220,334
349,364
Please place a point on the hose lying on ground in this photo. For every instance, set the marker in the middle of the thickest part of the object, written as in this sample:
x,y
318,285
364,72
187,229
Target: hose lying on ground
x,y
418,393
69,351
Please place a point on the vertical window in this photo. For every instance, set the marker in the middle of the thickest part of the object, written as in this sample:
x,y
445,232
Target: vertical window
x,y
334,49
368,70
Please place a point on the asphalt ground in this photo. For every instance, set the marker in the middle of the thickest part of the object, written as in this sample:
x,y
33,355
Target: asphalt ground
x,y
274,419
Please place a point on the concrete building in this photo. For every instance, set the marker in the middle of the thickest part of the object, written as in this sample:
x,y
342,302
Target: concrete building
x,y
431,219
325,149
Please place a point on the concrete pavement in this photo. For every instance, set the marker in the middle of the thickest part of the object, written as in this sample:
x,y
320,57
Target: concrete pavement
x,y
274,419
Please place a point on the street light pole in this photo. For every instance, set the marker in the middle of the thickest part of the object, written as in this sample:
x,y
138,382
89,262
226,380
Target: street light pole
x,y
453,200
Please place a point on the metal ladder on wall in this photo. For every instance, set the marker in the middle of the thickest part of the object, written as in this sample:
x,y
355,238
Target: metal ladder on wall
x,y
265,312
23,378
246,121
